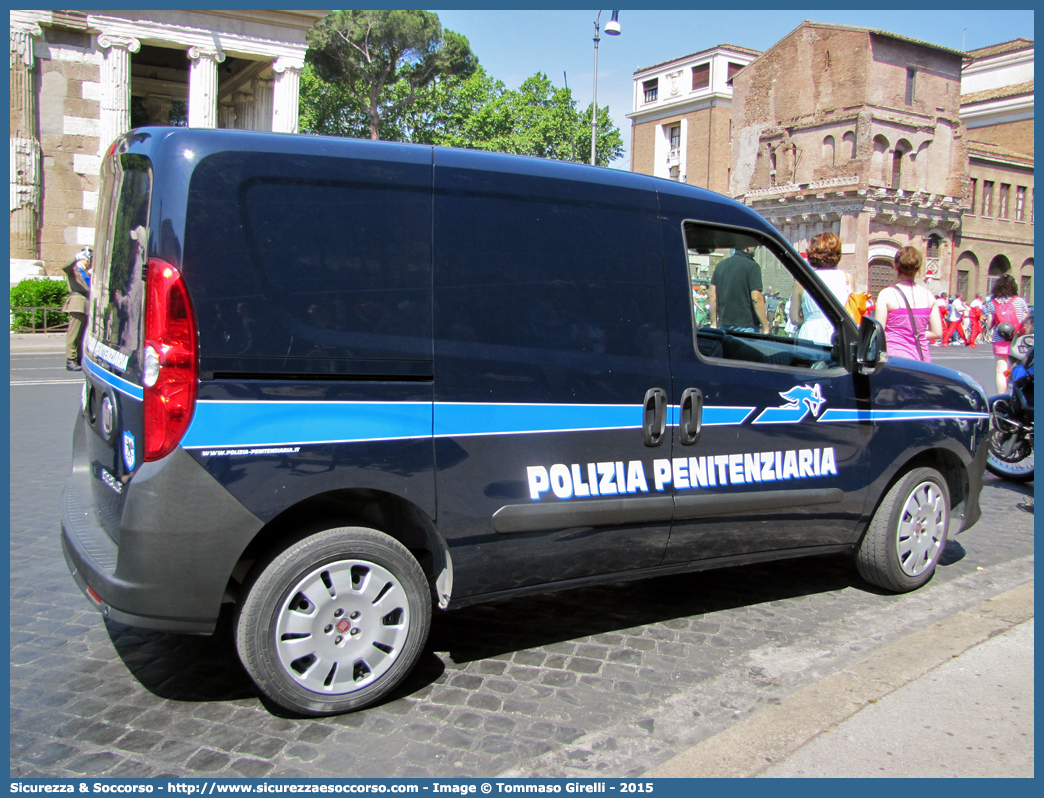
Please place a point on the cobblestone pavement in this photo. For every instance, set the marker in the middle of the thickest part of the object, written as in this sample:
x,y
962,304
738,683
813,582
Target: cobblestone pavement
x,y
599,681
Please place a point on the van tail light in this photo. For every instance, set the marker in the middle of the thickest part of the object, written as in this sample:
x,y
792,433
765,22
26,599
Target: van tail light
x,y
170,371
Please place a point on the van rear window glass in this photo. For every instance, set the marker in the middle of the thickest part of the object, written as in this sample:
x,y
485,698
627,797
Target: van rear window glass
x,y
121,256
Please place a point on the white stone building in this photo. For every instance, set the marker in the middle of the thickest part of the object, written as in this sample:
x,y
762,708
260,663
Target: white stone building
x,y
79,79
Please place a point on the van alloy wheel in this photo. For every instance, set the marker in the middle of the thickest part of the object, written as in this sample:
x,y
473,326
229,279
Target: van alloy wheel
x,y
907,534
922,529
342,626
334,622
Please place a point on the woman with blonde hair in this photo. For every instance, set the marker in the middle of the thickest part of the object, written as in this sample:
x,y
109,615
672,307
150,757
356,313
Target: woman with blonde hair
x,y
908,310
824,253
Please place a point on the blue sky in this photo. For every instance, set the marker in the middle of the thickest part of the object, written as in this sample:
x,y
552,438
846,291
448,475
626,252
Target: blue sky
x,y
513,45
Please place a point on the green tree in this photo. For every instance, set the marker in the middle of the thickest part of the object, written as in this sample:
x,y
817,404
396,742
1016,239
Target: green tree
x,y
479,112
609,141
331,109
372,53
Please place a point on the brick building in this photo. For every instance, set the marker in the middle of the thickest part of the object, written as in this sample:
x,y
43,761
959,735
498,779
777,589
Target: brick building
x,y
861,132
996,233
79,79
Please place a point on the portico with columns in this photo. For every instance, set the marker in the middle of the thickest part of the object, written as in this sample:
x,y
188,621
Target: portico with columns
x,y
81,79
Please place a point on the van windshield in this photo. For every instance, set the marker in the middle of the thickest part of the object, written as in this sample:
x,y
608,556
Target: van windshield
x,y
121,257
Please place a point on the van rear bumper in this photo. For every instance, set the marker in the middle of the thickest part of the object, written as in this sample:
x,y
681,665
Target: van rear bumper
x,y
181,535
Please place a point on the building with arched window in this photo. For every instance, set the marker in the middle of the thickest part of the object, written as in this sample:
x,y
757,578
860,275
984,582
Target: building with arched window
x,y
895,102
878,138
80,79
996,233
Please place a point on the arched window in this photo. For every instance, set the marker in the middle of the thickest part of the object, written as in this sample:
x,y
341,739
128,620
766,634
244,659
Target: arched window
x,y
933,245
1026,281
901,148
968,263
772,167
998,266
828,151
848,145
878,161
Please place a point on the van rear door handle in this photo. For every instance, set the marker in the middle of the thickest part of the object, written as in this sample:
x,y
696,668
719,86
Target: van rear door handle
x,y
691,415
654,416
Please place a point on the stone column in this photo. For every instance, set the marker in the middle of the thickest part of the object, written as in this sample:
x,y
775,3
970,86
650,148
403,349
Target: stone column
x,y
263,105
285,95
227,115
203,87
243,102
25,145
116,87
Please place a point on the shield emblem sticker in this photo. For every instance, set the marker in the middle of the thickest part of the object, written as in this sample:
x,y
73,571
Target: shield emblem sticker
x,y
128,451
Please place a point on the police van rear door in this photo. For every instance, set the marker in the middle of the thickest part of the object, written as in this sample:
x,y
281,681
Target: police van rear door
x,y
113,339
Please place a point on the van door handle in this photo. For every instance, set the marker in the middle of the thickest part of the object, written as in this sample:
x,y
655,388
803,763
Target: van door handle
x,y
654,417
691,415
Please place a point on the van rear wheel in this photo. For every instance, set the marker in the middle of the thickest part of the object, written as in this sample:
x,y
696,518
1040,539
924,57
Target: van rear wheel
x,y
334,622
907,534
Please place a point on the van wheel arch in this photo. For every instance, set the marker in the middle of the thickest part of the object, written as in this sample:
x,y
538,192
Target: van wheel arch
x,y
952,469
396,517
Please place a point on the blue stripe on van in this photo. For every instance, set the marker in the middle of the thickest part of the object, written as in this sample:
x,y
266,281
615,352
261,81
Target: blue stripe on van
x,y
120,384
247,423
837,414
722,416
230,423
454,419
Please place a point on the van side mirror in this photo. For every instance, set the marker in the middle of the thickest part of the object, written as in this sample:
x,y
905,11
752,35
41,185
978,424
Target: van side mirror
x,y
870,348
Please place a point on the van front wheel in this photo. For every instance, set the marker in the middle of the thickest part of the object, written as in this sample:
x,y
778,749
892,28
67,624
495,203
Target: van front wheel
x,y
335,622
907,534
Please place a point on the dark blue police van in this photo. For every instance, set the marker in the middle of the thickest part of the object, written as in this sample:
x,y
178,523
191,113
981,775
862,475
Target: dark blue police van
x,y
337,383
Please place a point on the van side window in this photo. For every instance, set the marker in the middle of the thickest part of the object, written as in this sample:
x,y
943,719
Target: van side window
x,y
736,278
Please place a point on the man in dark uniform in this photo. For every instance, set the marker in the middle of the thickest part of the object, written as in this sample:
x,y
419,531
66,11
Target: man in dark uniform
x,y
78,276
736,301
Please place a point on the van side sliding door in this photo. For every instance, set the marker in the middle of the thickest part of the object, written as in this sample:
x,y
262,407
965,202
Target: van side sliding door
x,y
551,372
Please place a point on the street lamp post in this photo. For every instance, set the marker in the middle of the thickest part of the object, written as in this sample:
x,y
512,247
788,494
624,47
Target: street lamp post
x,y
612,28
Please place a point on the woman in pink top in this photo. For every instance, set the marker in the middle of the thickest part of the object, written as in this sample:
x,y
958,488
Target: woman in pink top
x,y
898,302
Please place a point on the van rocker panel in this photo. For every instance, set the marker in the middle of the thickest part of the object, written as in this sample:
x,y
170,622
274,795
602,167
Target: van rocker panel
x,y
180,537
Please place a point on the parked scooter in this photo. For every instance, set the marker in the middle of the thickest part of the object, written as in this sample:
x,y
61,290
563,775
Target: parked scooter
x,y
1010,444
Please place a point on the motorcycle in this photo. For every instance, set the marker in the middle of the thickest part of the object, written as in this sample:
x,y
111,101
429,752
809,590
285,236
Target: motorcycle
x,y
1010,440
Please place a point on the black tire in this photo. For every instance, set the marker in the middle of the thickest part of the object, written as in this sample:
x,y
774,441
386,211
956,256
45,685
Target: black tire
x,y
1009,449
334,622
907,534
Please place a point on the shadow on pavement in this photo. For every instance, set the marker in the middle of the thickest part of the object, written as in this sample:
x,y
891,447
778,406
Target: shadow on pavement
x,y
207,669
509,625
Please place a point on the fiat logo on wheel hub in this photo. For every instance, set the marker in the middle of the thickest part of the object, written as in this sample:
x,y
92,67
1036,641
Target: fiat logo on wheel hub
x,y
343,626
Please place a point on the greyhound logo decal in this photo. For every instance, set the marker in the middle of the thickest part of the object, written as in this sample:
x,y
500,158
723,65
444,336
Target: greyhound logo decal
x,y
801,400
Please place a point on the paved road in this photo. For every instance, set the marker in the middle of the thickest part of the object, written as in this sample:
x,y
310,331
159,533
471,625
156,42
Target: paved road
x,y
607,681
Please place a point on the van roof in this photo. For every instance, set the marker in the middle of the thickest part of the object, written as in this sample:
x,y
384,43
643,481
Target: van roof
x,y
186,147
